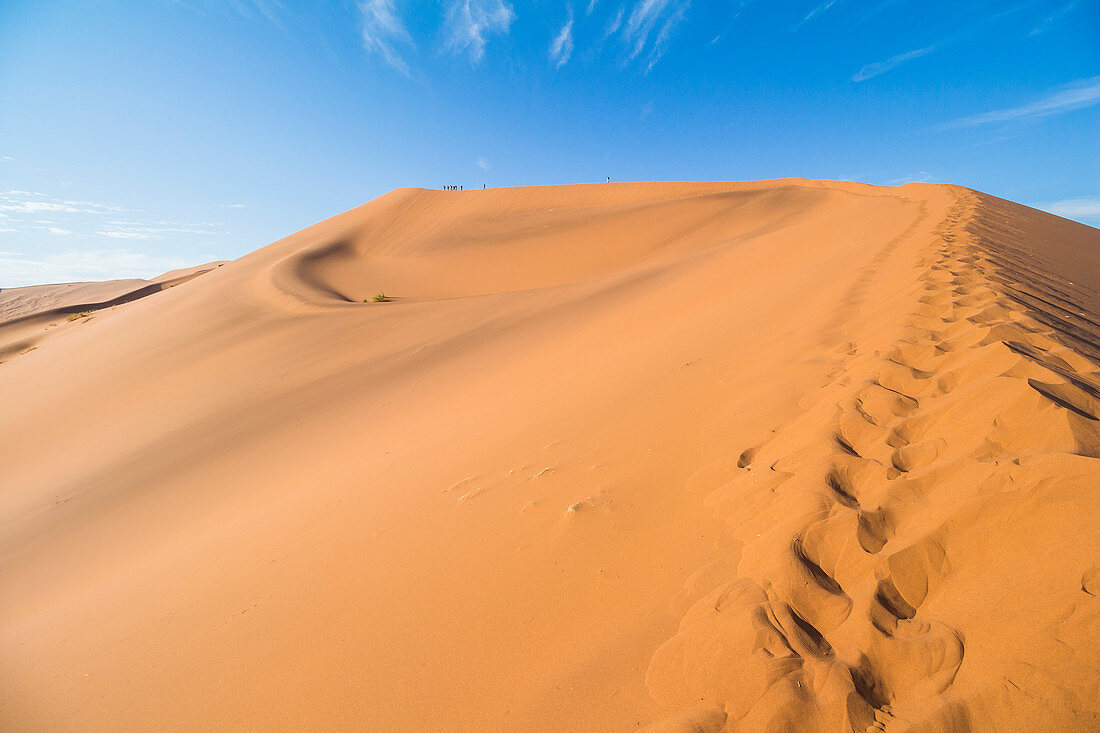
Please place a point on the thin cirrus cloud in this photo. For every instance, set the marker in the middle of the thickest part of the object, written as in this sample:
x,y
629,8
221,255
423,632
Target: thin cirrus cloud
x,y
881,67
641,22
34,202
268,12
664,36
1085,209
467,26
74,265
469,23
817,10
561,48
614,24
1077,95
30,213
384,33
101,242
1051,20
650,25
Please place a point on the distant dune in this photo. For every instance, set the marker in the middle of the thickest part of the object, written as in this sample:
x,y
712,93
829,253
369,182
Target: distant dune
x,y
776,456
27,313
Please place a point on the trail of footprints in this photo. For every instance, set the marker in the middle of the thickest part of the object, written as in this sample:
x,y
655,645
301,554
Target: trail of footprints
x,y
836,560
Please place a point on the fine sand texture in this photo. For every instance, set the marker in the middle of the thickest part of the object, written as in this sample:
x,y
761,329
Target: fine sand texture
x,y
776,456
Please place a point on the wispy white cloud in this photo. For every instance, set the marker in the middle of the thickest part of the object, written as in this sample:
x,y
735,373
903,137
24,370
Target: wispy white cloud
x,y
39,224
641,22
188,6
383,33
591,7
1085,209
664,36
233,206
6,158
124,234
32,207
264,6
469,23
33,202
483,164
245,8
32,212
614,24
650,25
1049,21
817,10
561,48
1078,95
881,67
737,8
148,230
82,265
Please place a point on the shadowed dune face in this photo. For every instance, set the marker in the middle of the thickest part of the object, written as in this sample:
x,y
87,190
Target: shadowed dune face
x,y
788,455
432,245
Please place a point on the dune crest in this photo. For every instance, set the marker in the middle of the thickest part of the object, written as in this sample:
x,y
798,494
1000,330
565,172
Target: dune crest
x,y
936,505
787,455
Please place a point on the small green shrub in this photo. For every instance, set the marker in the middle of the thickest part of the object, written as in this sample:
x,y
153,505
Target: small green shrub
x,y
82,314
379,297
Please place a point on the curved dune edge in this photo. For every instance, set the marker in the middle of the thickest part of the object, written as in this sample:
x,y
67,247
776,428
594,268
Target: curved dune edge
x,y
918,551
432,245
29,314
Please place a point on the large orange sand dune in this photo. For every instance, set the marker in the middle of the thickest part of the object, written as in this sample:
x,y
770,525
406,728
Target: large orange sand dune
x,y
771,456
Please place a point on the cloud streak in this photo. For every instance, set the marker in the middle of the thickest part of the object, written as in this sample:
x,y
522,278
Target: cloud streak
x,y
641,22
613,25
561,48
32,213
384,33
82,266
469,23
1078,95
664,36
650,25
1051,20
818,10
1082,209
881,67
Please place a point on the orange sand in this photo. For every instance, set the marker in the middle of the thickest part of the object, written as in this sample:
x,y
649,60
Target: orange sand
x,y
784,456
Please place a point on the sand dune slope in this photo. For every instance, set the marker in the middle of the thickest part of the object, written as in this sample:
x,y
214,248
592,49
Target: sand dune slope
x,y
27,314
784,456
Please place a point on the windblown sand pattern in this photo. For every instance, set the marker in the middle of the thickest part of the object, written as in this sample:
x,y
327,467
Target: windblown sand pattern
x,y
778,456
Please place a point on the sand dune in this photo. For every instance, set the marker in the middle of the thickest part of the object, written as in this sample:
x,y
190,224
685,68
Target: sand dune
x,y
786,456
27,312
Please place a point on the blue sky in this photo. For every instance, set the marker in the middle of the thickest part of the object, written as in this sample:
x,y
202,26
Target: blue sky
x,y
141,135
